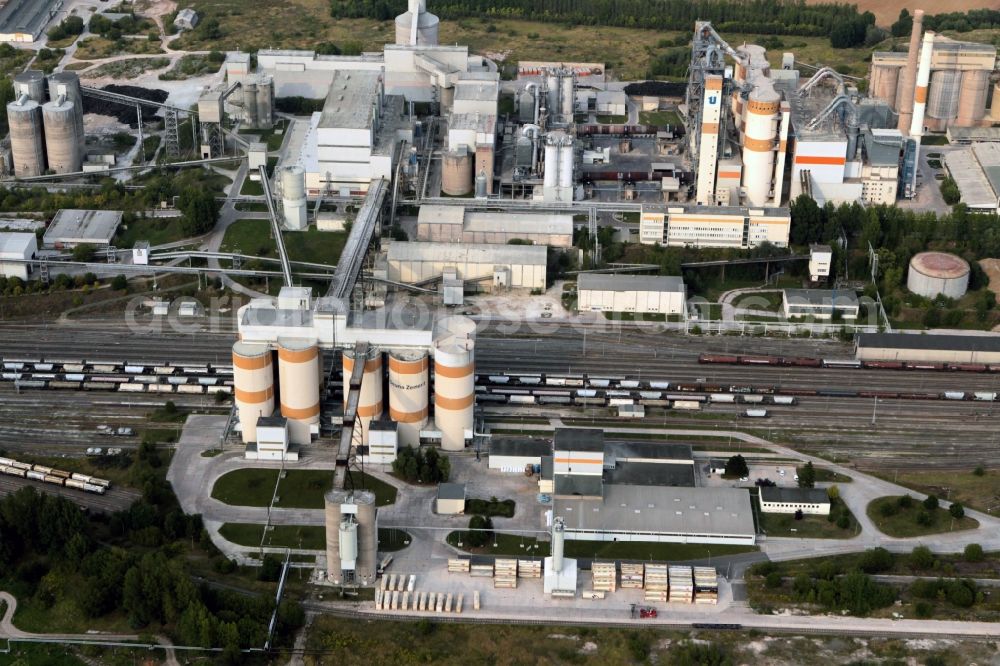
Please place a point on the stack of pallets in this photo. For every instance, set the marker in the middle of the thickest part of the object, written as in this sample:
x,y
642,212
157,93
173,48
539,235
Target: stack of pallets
x,y
505,574
632,576
605,576
529,569
706,585
657,584
681,585
458,565
481,571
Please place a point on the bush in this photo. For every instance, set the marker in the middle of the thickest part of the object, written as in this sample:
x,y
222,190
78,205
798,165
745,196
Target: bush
x,y
973,553
950,192
922,558
931,502
876,560
924,518
923,610
888,509
120,283
773,580
904,502
843,522
956,510
979,471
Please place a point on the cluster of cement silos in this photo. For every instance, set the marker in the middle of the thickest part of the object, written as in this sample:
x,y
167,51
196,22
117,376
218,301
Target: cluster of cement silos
x,y
46,123
559,158
300,374
256,101
453,354
351,537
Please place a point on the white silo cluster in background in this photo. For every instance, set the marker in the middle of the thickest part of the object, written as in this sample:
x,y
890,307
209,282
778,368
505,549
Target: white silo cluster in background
x,y
46,130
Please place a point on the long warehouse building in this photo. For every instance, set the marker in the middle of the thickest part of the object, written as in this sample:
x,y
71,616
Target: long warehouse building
x,y
644,294
492,266
931,348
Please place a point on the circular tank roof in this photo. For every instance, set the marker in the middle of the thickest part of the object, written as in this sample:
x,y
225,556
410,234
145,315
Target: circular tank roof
x,y
940,265
249,350
408,354
296,344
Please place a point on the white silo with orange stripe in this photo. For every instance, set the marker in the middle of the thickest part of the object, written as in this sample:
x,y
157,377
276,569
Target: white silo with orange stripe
x,y
759,142
298,361
409,385
370,402
253,386
454,380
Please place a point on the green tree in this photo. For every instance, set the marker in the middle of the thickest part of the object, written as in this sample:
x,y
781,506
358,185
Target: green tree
x,y
950,192
922,558
956,510
120,283
84,252
833,492
876,560
736,467
973,553
807,476
931,502
199,208
477,536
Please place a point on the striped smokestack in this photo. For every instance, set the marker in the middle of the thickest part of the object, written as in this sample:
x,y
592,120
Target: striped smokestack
x,y
905,102
920,99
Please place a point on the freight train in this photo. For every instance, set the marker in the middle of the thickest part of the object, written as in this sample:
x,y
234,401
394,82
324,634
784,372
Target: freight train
x,y
793,361
124,377
56,477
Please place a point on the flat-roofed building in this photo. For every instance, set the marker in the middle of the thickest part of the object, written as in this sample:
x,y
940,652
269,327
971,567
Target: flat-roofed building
x,y
16,248
812,501
483,266
514,454
930,348
820,303
24,20
641,294
976,171
714,226
450,498
661,514
72,227
456,224
882,150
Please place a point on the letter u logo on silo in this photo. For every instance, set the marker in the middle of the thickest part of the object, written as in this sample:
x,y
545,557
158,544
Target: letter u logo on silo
x,y
712,99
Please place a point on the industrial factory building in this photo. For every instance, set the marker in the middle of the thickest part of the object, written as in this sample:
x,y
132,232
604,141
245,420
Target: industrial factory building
x,y
958,87
514,454
72,227
938,273
930,348
810,501
24,20
456,224
642,294
16,248
713,226
976,171
490,267
820,303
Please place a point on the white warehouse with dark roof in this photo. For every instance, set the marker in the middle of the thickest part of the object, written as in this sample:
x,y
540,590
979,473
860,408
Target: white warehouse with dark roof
x,y
456,224
645,294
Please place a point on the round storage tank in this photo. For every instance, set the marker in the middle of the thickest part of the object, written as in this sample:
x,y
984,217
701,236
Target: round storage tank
x,y
265,102
297,370
250,104
943,94
62,143
454,380
27,142
31,83
348,543
253,386
938,273
885,81
972,100
370,402
332,518
456,173
427,25
68,84
293,198
409,388
367,517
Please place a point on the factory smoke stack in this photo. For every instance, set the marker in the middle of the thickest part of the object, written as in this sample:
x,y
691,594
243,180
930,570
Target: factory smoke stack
x,y
920,99
910,74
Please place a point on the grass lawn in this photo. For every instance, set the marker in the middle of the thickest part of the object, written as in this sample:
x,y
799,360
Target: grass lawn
x,y
300,489
903,523
95,48
824,474
310,537
254,237
156,230
809,527
391,540
611,119
659,118
765,300
251,188
977,492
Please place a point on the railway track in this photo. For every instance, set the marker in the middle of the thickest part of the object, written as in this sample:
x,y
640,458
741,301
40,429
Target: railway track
x,y
116,499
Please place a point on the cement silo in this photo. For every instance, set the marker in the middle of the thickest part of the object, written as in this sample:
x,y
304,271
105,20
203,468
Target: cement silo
x,y
566,163
265,102
67,84
456,173
759,143
409,388
567,96
253,386
297,370
27,141
30,82
417,27
551,164
249,102
293,198
972,98
454,380
370,403
351,519
942,99
62,142
884,83
938,273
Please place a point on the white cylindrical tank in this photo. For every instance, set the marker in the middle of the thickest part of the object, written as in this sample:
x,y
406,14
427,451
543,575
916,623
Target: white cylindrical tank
x,y
454,380
370,404
552,93
759,144
551,164
253,386
62,144
348,543
885,81
482,186
27,138
427,25
297,370
293,198
30,82
265,102
943,94
558,544
972,100
456,173
938,273
409,388
250,103
566,162
566,97
67,84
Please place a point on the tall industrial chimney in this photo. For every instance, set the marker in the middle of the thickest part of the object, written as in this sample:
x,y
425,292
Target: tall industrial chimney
x,y
905,102
920,101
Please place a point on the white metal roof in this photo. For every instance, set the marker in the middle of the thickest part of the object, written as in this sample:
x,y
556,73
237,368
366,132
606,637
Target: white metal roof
x,y
430,214
518,255
15,245
83,226
476,91
972,182
602,282
353,94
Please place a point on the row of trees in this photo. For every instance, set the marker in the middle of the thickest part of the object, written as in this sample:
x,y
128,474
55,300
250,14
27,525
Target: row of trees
x,y
421,465
766,17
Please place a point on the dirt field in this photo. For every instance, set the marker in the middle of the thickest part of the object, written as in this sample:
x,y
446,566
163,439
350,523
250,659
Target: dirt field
x,y
887,11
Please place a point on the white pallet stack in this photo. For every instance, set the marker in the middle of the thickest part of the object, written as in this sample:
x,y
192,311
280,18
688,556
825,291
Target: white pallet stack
x,y
529,569
475,600
459,565
632,576
481,571
706,585
605,576
681,585
505,574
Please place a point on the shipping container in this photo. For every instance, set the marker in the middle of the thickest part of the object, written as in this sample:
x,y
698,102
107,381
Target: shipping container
x,y
617,402
191,388
131,388
161,388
